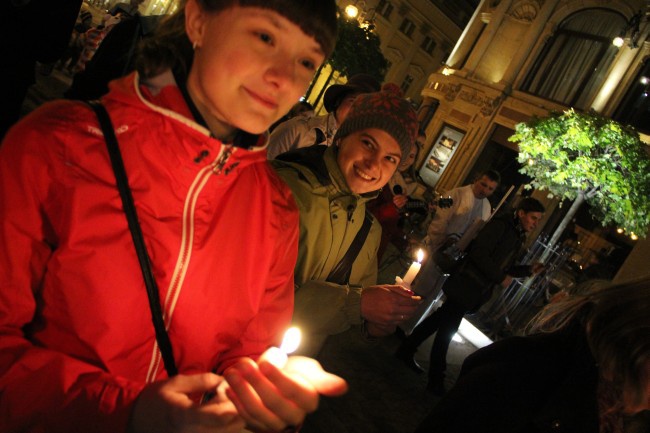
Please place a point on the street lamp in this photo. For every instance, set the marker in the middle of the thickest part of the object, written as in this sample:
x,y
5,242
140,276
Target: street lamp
x,y
352,11
358,11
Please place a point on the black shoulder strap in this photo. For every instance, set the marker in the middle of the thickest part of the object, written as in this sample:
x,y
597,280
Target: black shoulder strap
x,y
340,274
311,157
320,136
162,337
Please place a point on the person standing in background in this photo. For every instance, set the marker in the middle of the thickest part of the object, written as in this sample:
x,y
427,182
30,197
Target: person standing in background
x,y
489,262
30,31
307,131
127,10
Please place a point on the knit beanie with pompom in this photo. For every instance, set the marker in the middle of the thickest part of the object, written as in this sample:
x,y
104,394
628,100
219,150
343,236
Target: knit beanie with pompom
x,y
383,110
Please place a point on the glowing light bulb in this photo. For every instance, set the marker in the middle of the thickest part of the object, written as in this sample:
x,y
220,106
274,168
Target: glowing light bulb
x,y
352,11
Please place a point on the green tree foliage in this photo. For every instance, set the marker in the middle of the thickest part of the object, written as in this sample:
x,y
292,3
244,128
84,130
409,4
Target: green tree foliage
x,y
357,50
584,156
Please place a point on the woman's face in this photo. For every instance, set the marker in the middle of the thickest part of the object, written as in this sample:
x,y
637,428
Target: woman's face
x,y
250,66
368,158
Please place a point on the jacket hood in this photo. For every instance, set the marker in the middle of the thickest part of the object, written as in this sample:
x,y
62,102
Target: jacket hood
x,y
161,94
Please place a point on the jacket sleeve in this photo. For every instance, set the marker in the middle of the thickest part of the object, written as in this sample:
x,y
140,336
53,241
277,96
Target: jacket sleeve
x,y
481,252
274,314
41,389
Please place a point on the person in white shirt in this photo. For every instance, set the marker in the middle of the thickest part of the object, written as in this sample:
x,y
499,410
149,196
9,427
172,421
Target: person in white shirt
x,y
306,131
470,202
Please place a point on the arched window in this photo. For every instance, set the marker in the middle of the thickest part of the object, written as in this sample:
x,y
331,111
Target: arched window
x,y
574,62
635,107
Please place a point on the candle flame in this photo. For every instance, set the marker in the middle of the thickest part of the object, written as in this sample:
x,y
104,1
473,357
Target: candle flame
x,y
420,255
291,340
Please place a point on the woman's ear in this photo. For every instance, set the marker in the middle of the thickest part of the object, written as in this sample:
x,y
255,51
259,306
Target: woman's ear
x,y
195,18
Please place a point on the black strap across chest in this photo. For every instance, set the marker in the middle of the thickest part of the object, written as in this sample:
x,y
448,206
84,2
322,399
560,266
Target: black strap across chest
x,y
312,158
117,163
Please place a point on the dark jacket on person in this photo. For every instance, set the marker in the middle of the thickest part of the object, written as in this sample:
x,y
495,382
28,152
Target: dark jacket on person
x,y
490,258
536,384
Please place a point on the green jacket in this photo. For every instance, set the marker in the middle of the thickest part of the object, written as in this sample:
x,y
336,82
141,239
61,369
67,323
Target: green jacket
x,y
330,217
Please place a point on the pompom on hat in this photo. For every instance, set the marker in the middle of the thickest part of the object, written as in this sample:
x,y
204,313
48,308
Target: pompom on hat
x,y
387,111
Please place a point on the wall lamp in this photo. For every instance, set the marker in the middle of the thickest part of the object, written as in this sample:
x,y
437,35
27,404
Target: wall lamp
x,y
631,30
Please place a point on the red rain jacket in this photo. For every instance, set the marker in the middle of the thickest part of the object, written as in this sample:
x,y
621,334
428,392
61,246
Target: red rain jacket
x,y
77,342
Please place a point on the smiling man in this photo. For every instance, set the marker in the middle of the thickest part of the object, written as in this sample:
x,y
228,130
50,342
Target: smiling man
x,y
336,272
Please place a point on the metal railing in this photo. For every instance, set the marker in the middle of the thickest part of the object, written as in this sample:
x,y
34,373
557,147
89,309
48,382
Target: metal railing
x,y
508,312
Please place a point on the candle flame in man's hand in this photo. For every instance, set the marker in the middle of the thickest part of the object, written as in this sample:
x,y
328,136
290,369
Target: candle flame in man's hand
x,y
291,340
420,255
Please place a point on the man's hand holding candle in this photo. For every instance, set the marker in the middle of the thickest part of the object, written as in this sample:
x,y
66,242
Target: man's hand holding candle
x,y
385,306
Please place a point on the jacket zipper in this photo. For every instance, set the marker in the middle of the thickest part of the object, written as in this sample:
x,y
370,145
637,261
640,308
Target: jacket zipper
x,y
187,239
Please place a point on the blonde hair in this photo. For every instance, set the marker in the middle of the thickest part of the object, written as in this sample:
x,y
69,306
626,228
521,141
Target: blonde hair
x,y
616,319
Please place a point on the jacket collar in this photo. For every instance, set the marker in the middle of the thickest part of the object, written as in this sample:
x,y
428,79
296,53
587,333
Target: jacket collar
x,y
161,94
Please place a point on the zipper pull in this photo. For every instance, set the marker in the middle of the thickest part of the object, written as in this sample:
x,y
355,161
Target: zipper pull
x,y
221,162
350,211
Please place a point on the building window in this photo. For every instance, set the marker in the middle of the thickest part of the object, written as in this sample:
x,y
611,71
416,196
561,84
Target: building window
x,y
407,27
384,8
635,107
459,11
406,84
428,45
574,62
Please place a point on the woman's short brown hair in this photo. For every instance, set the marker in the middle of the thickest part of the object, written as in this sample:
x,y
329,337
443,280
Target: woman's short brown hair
x,y
170,46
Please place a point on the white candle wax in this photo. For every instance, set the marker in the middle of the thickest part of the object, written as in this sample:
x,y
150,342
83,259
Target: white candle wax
x,y
412,272
414,269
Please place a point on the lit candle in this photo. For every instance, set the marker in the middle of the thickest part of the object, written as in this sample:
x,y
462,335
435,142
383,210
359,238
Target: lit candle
x,y
414,269
278,355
